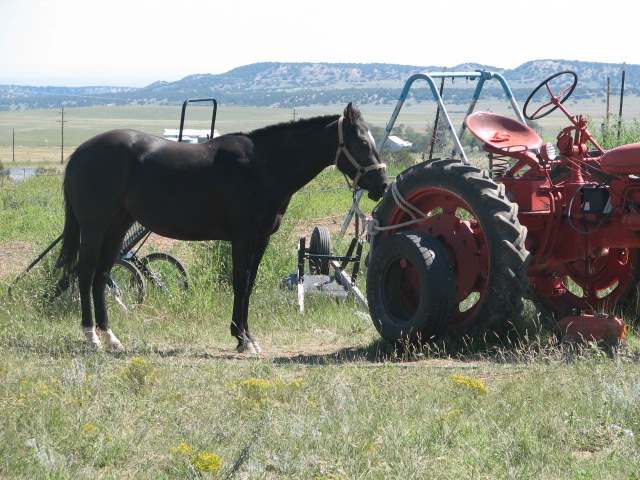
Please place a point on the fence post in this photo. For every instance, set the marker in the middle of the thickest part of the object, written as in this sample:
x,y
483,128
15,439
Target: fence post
x,y
624,71
62,121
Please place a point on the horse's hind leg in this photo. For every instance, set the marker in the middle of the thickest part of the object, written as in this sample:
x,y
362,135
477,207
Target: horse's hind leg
x,y
111,245
88,259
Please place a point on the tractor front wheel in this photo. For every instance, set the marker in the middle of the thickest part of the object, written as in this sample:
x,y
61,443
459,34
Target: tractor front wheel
x,y
470,215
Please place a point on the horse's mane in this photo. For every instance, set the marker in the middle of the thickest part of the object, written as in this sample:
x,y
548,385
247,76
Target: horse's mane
x,y
296,124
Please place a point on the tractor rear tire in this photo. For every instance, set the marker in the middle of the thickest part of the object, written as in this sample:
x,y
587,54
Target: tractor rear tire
x,y
402,265
478,226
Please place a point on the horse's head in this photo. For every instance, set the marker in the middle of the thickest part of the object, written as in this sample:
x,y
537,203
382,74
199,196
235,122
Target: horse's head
x,y
358,156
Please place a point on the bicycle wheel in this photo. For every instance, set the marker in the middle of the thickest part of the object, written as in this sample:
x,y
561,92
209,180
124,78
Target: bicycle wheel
x,y
165,273
125,286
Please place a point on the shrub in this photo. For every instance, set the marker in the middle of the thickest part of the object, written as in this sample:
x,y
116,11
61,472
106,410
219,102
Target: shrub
x,y
400,159
4,172
616,133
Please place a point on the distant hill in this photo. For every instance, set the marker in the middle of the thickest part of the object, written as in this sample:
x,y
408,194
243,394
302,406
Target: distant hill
x,y
302,84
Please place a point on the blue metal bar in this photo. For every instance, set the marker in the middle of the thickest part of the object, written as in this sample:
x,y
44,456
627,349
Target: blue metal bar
x,y
436,95
482,77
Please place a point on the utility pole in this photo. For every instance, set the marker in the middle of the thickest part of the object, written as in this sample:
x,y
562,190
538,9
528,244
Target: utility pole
x,y
608,98
62,121
294,114
13,143
604,127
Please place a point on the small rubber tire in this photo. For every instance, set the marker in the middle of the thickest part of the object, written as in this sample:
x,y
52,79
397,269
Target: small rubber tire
x,y
320,244
410,288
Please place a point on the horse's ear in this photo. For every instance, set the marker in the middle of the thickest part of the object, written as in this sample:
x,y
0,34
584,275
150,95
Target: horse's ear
x,y
351,113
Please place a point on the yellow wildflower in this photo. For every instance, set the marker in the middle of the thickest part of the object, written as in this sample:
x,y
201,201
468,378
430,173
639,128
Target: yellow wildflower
x,y
469,383
206,462
184,449
256,383
89,428
202,461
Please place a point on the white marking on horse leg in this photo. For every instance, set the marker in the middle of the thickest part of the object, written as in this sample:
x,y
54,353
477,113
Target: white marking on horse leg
x,y
110,339
256,346
92,337
246,347
250,347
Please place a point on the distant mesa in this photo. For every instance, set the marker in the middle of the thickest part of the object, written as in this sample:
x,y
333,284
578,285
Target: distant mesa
x,y
292,85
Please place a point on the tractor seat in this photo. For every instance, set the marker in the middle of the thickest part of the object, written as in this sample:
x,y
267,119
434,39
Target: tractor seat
x,y
624,160
502,133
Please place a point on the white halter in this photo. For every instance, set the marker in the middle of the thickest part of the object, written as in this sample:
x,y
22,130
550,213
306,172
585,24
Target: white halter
x,y
361,171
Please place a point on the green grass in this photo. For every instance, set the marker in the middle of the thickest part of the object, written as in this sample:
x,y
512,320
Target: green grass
x,y
178,393
96,416
328,400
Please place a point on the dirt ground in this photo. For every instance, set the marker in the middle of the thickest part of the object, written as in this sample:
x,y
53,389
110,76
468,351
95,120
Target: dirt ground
x,y
15,256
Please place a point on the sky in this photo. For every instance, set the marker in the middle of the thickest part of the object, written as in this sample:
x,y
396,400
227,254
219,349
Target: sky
x,y
136,42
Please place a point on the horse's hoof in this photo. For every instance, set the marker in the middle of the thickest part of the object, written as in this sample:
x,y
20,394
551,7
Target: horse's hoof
x,y
256,346
110,339
246,348
92,337
250,347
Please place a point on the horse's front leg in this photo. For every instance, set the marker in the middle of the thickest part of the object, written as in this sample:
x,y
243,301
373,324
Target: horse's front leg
x,y
246,260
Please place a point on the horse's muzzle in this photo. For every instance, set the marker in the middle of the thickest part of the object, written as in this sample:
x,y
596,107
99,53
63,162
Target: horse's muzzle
x,y
377,195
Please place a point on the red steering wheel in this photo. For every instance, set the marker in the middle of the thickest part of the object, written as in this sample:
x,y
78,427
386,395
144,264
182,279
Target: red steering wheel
x,y
555,82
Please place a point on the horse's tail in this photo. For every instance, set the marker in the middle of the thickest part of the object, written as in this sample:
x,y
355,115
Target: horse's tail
x,y
68,257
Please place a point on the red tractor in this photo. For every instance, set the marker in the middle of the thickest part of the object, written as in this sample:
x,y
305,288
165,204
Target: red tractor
x,y
456,247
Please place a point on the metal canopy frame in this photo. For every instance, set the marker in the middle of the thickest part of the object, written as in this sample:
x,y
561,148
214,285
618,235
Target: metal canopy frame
x,y
481,75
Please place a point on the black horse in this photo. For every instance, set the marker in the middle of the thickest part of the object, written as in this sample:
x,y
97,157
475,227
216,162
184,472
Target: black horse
x,y
235,187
